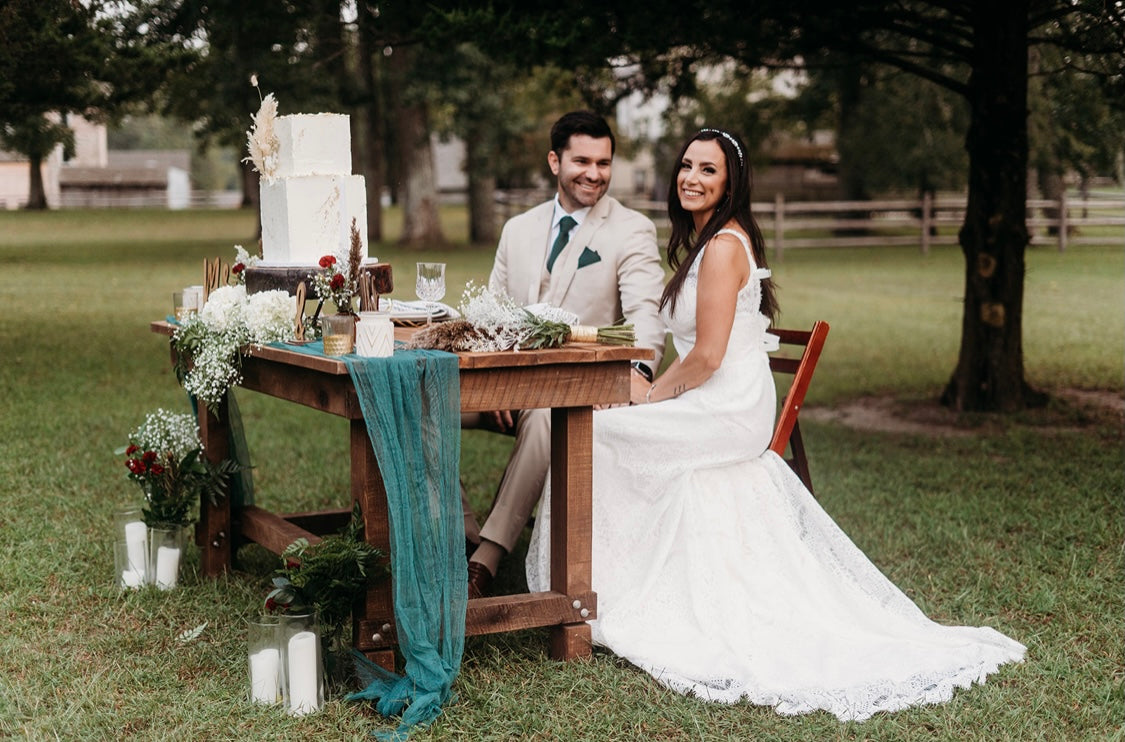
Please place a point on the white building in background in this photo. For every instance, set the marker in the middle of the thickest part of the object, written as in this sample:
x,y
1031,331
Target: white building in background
x,y
90,150
96,177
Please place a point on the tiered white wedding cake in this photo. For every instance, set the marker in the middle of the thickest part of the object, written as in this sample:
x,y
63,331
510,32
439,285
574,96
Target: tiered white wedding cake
x,y
310,197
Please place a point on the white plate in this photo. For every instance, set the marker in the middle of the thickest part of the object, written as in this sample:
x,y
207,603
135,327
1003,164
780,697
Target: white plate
x,y
414,311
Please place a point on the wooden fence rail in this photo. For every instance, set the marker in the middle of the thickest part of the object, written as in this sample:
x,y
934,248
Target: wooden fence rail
x,y
898,222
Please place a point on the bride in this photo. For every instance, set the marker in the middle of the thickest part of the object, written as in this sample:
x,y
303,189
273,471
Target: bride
x,y
716,571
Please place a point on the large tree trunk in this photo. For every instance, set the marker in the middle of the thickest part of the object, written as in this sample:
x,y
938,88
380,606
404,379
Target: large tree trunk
x,y
251,196
36,194
368,131
851,178
482,209
1052,187
421,220
482,189
989,373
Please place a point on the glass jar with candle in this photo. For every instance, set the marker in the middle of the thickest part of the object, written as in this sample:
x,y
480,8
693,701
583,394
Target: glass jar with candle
x,y
302,664
338,331
263,644
165,552
130,547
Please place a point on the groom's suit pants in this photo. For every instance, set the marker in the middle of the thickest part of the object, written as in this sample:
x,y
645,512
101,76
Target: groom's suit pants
x,y
523,481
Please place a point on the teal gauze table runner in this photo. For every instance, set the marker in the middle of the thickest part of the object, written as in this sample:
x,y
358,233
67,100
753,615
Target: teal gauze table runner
x,y
411,404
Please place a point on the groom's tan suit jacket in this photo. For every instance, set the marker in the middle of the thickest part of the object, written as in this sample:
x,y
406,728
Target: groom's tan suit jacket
x,y
610,270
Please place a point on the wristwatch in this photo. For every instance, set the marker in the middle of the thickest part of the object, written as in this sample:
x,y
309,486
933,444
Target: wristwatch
x,y
644,370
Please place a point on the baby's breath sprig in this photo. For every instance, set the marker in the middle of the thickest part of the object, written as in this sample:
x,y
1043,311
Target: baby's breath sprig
x,y
494,322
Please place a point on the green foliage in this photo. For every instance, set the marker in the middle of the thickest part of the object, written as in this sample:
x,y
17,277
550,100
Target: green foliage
x,y
54,58
547,333
173,498
292,47
327,577
35,136
904,134
1073,121
165,459
732,97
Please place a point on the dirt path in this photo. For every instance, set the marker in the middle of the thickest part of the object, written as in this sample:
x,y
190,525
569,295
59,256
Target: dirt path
x,y
1072,409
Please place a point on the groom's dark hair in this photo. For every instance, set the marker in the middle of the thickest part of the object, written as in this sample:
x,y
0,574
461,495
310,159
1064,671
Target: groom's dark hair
x,y
580,122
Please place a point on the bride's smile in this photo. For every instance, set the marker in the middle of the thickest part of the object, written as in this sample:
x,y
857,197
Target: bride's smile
x,y
702,178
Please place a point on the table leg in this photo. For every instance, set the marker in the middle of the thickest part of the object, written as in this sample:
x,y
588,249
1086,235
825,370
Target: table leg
x,y
213,531
571,482
373,622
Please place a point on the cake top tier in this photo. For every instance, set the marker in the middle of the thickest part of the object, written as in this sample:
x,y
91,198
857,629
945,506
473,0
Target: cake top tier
x,y
314,144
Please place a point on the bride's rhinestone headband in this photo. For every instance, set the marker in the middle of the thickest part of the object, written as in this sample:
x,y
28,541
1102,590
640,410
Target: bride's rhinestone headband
x,y
730,139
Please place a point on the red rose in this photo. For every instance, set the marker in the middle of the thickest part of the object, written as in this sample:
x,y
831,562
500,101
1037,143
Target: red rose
x,y
271,604
292,564
132,450
237,268
149,457
337,281
157,469
327,260
136,466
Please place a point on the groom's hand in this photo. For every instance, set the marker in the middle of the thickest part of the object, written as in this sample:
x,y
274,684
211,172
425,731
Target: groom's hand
x,y
500,420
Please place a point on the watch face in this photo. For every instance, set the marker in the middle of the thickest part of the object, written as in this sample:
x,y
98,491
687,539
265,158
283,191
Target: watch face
x,y
643,369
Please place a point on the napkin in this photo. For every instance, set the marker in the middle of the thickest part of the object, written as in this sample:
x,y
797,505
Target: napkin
x,y
395,306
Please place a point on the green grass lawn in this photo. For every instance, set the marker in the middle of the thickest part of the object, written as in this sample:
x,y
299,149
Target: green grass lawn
x,y
1017,526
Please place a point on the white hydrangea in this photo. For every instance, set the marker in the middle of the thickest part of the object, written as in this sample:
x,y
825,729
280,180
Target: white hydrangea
x,y
269,317
223,310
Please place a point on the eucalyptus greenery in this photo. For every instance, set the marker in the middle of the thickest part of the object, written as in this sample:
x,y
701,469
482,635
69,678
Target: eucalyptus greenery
x,y
547,333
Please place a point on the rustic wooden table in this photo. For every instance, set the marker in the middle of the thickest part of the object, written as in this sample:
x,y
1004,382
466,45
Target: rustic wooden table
x,y
569,380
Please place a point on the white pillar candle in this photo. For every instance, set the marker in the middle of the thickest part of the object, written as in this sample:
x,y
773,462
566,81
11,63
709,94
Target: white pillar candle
x,y
167,567
132,578
265,665
136,536
303,681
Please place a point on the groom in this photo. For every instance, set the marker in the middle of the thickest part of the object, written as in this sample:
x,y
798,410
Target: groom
x,y
586,253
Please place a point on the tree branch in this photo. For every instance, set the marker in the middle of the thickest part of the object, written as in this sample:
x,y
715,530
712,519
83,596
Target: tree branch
x,y
907,65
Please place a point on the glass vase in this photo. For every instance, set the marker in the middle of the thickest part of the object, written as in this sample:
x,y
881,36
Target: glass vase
x,y
165,553
130,547
338,331
263,644
302,664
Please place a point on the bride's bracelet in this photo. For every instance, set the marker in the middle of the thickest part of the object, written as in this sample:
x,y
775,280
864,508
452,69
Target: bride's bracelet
x,y
648,394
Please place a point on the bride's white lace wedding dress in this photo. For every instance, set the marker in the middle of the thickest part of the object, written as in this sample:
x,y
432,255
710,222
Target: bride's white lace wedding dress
x,y
720,575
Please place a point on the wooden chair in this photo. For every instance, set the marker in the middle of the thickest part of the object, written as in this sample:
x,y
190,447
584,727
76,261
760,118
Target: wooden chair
x,y
787,432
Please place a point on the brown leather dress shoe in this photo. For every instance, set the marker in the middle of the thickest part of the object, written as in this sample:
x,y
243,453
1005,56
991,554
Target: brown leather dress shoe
x,y
479,580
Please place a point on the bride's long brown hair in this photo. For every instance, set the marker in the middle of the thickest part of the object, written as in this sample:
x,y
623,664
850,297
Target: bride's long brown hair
x,y
684,245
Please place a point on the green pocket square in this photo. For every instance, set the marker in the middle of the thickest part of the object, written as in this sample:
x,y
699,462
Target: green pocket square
x,y
588,257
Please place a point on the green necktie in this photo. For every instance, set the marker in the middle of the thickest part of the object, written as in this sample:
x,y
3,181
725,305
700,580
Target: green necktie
x,y
565,225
